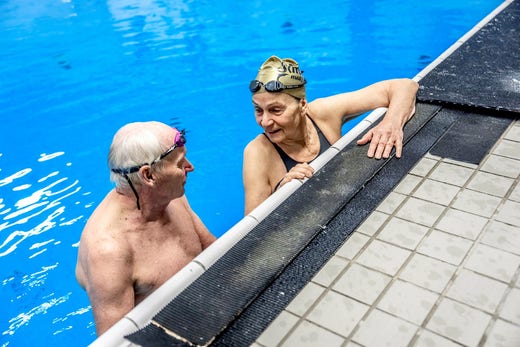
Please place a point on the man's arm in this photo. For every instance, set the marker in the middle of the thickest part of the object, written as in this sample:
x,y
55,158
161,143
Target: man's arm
x,y
109,284
205,236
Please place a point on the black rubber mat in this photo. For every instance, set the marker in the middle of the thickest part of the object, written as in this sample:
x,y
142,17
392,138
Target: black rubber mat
x,y
485,71
471,137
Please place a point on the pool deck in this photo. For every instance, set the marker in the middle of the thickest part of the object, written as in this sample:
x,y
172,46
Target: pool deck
x,y
418,251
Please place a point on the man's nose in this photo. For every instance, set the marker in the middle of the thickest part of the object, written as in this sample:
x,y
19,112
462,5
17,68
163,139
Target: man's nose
x,y
189,166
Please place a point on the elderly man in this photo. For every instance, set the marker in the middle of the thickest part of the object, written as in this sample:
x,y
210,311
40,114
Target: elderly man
x,y
144,230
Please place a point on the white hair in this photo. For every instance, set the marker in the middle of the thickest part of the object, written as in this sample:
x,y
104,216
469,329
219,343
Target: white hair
x,y
134,144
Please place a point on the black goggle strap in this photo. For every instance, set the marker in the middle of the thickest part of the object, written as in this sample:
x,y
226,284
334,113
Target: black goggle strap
x,y
124,173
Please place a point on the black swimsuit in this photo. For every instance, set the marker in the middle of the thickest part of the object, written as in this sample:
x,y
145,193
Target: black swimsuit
x,y
290,162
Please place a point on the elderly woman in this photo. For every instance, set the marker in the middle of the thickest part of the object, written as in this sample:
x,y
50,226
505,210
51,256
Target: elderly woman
x,y
297,131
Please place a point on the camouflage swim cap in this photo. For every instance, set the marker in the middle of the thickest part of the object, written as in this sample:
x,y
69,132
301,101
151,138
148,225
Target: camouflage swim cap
x,y
279,75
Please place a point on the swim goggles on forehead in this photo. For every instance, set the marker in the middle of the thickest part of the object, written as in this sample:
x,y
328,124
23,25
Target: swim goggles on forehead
x,y
272,86
178,141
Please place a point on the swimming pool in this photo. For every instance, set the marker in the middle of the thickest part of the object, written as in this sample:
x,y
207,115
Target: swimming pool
x,y
73,72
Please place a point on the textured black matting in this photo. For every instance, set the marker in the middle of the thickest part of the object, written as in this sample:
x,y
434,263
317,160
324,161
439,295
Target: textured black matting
x,y
471,137
484,71
217,297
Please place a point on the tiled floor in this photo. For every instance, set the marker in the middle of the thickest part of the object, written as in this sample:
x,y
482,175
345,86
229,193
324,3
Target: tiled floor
x,y
437,264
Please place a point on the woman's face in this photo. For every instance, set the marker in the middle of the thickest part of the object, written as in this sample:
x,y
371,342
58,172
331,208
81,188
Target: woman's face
x,y
279,114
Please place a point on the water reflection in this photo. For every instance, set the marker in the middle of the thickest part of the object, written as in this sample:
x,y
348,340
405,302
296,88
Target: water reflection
x,y
38,206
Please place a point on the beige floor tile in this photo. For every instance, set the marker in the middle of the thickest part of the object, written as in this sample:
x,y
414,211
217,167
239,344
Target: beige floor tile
x,y
508,148
304,300
354,244
511,308
490,184
509,213
446,247
476,290
462,223
452,174
311,335
277,329
429,339
428,272
459,322
420,211
362,284
503,166
383,257
403,233
408,301
382,329
423,167
338,313
438,192
391,202
502,236
407,184
493,262
373,223
478,203
515,194
503,334
330,271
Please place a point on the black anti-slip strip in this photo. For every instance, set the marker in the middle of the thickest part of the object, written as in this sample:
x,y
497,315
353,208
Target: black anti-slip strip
x,y
202,311
484,71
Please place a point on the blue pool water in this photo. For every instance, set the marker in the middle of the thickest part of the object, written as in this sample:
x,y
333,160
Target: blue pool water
x,y
73,72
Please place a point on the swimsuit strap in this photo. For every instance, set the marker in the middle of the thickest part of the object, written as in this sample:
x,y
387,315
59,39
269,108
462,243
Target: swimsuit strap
x,y
290,162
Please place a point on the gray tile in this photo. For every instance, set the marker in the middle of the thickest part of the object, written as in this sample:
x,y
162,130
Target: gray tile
x,y
459,322
277,329
382,329
511,307
403,233
462,223
501,166
420,211
493,262
477,203
508,148
362,284
503,334
428,273
502,236
407,184
437,192
510,213
408,301
391,202
338,313
304,300
383,257
429,339
452,174
311,335
513,133
372,223
446,247
515,194
477,291
330,271
423,167
490,184
354,244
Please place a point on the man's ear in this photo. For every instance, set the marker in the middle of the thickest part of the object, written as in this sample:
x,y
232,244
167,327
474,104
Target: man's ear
x,y
146,174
